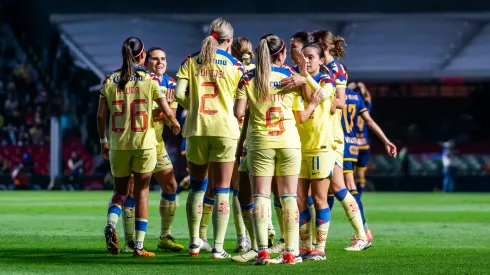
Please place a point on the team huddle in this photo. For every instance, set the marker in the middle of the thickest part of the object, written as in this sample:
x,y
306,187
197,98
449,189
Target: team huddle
x,y
255,127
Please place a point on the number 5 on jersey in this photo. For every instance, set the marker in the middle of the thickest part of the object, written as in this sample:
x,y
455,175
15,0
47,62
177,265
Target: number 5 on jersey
x,y
202,105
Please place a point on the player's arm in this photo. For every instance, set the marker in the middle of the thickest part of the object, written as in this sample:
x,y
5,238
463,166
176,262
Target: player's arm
x,y
240,108
339,98
169,117
101,126
243,135
302,116
180,95
390,147
365,92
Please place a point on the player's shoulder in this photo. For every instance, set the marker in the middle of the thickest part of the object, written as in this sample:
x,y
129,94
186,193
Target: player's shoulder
x,y
231,59
168,80
246,78
284,70
190,56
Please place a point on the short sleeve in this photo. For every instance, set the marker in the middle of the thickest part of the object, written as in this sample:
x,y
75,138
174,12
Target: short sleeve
x,y
105,87
184,68
174,105
361,105
241,92
328,85
298,103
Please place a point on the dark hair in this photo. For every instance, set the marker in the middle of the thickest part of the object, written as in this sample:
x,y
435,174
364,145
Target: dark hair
x,y
327,37
270,45
303,37
132,50
150,50
319,48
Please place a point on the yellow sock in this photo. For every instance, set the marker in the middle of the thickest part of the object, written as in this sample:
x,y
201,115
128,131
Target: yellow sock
x,y
305,229
241,231
194,214
167,214
291,222
278,208
353,214
221,216
207,211
322,223
312,223
248,217
262,214
128,218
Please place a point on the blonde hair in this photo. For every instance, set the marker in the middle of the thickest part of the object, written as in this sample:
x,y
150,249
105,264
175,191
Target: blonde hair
x,y
269,47
326,38
241,48
219,31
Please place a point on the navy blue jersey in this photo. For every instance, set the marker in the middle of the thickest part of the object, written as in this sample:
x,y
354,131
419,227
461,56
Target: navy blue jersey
x,y
354,105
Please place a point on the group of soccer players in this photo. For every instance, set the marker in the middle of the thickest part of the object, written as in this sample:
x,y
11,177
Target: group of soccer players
x,y
255,126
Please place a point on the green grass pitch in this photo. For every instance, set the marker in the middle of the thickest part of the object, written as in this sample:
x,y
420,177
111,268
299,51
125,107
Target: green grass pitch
x,y
416,233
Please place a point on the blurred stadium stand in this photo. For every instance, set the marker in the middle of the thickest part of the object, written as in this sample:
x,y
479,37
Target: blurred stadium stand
x,y
428,74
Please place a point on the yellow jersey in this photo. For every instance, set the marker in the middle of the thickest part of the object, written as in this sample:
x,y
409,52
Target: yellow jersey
x,y
340,74
167,85
247,68
316,133
271,124
130,122
211,94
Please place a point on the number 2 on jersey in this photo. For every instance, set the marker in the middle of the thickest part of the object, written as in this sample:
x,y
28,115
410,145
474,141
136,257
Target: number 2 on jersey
x,y
133,114
270,124
202,107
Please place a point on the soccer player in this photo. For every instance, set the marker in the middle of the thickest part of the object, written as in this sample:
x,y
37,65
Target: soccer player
x,y
156,62
273,144
363,141
128,95
211,130
333,49
317,159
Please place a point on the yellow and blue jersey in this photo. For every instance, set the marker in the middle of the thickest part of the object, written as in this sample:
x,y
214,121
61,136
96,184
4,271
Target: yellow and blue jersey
x,y
362,130
131,109
271,124
340,74
167,85
212,90
354,105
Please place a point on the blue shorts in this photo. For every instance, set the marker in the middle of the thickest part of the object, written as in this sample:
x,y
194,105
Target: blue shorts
x,y
351,150
348,166
363,158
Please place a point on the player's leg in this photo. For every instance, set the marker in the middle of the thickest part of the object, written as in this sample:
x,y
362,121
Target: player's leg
x,y
279,246
121,169
305,240
197,162
207,212
322,166
142,164
352,187
128,218
261,165
242,241
222,158
288,166
350,206
165,177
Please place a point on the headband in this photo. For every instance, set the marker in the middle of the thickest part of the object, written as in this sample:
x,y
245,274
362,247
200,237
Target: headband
x,y
280,49
142,50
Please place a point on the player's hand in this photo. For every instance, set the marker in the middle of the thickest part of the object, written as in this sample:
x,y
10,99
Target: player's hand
x,y
173,124
296,80
361,85
157,114
104,151
170,95
391,149
316,97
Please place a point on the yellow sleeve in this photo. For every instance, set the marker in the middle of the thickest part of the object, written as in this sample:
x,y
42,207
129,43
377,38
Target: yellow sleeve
x,y
183,72
298,103
105,86
241,92
328,86
312,83
174,105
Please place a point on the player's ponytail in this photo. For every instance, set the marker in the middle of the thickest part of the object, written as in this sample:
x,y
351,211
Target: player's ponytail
x,y
220,31
132,51
241,49
334,44
268,50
